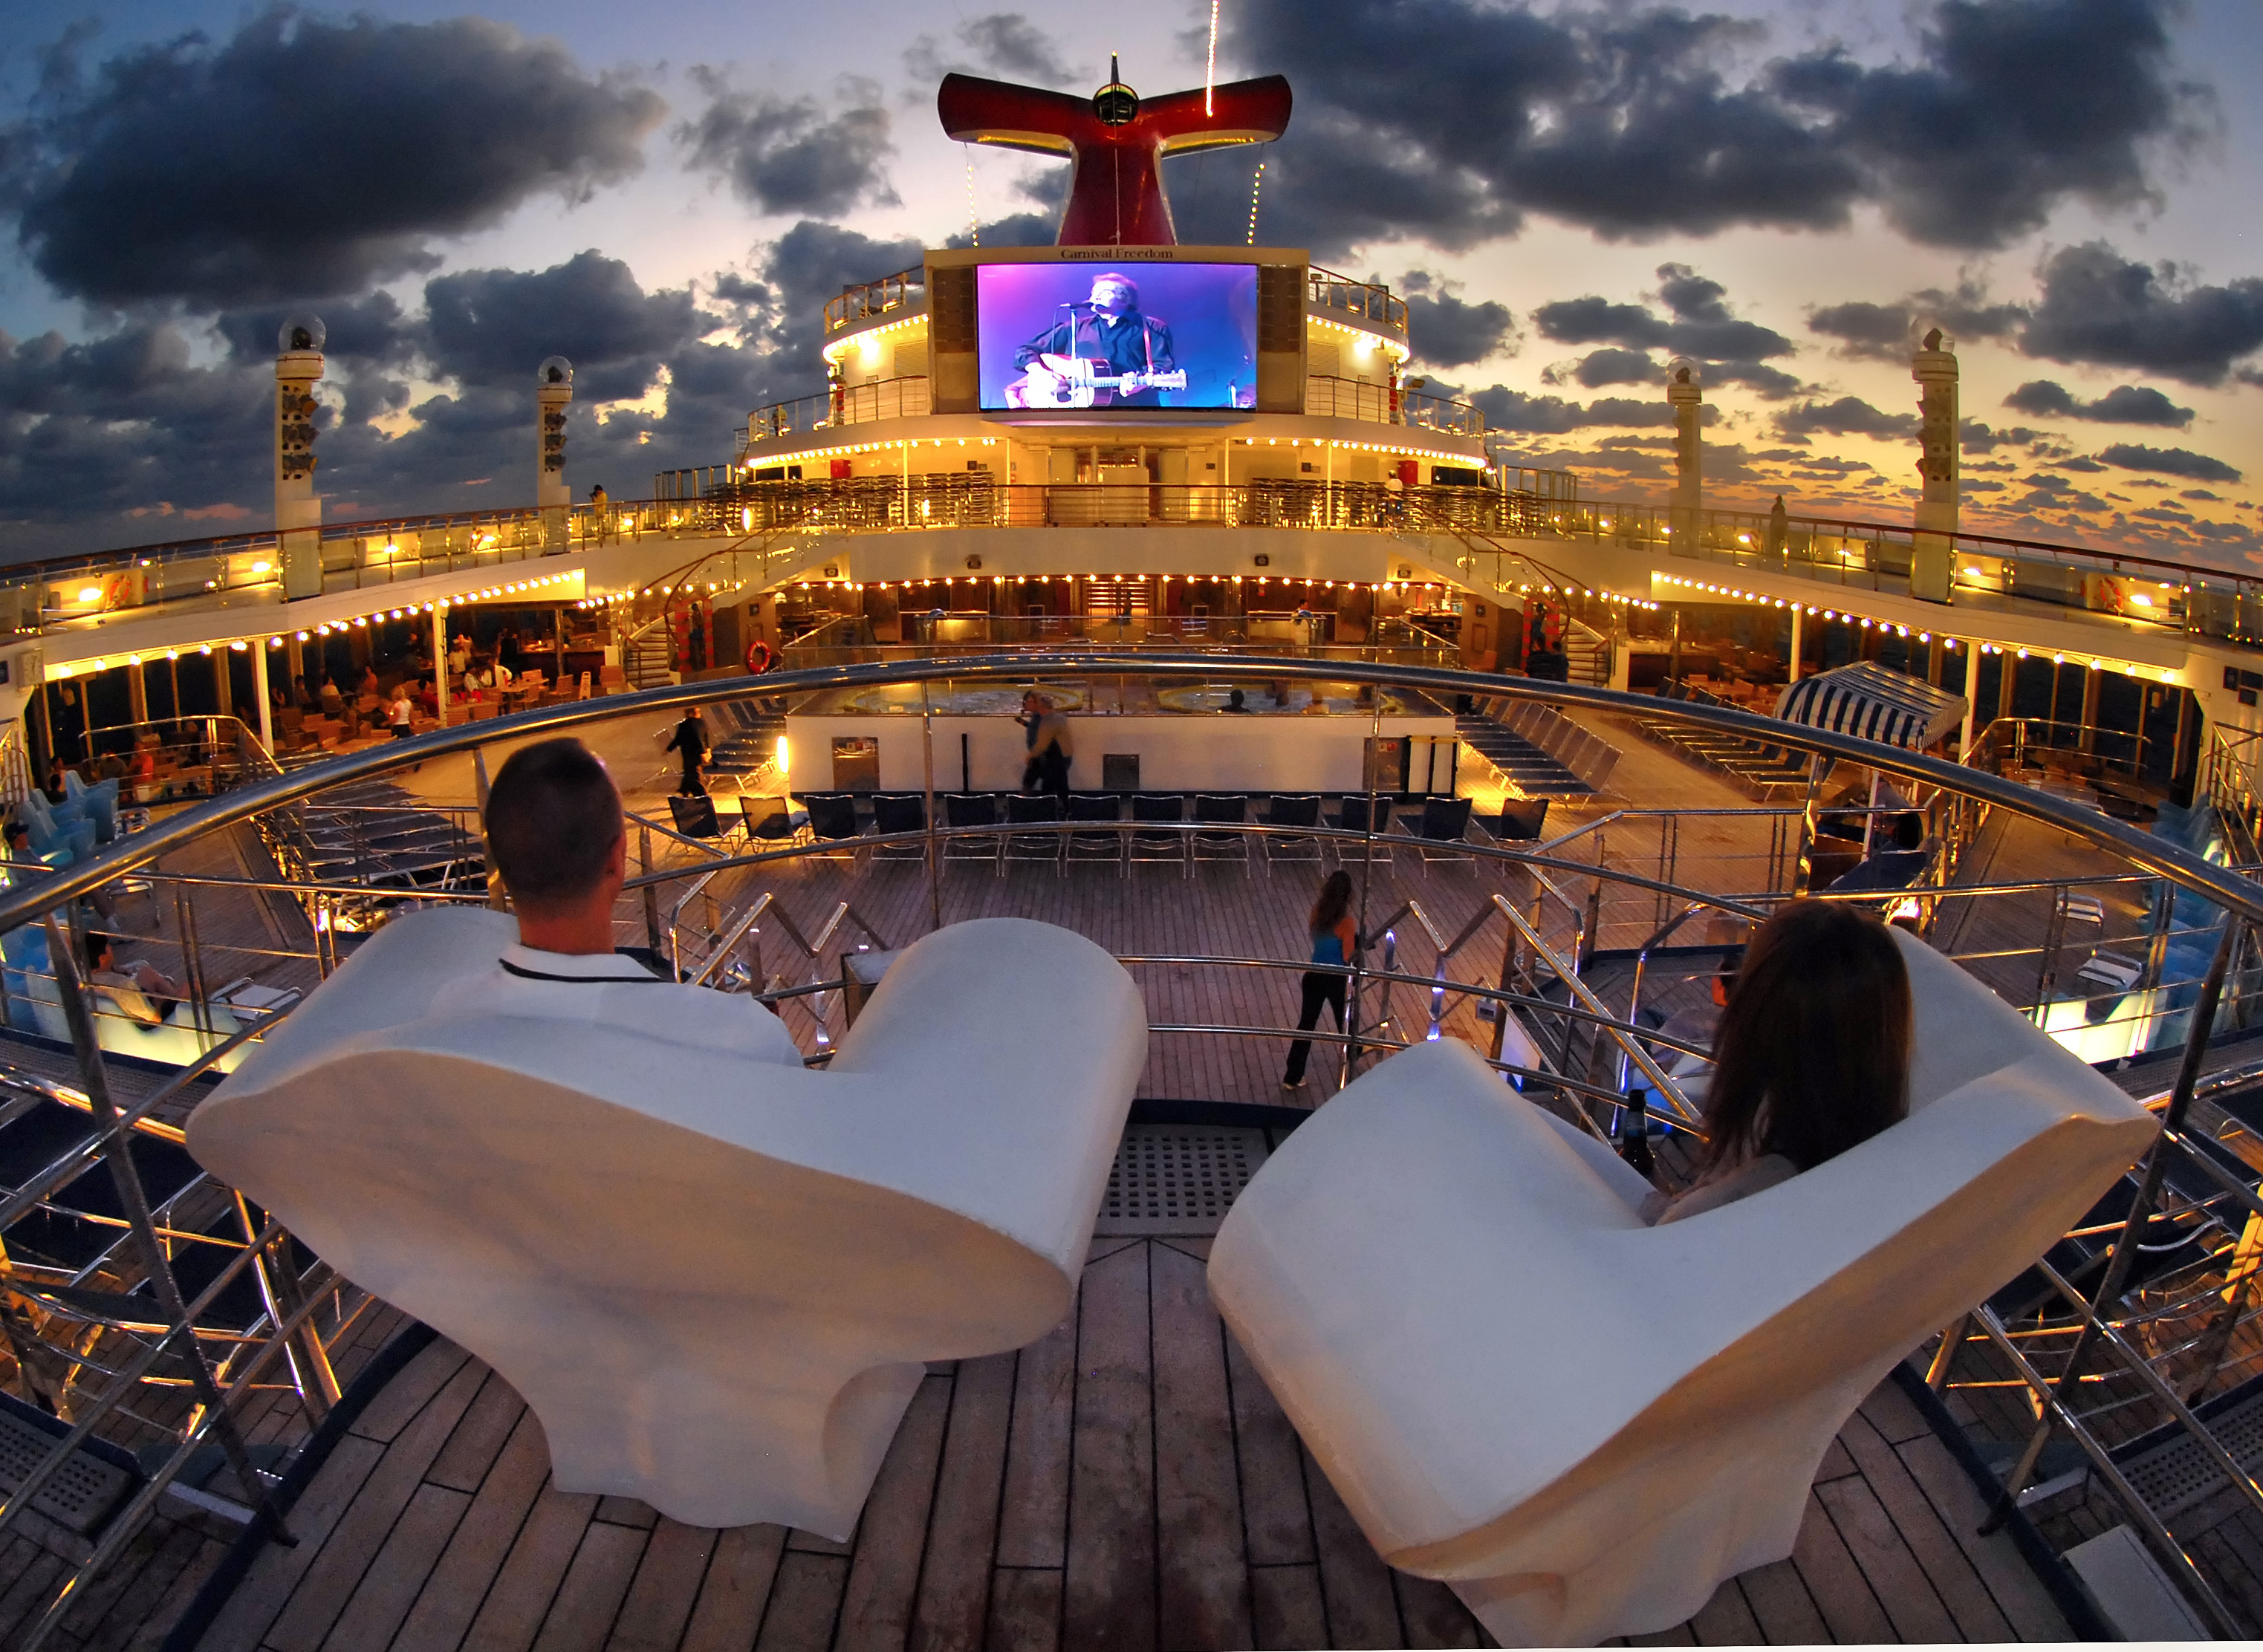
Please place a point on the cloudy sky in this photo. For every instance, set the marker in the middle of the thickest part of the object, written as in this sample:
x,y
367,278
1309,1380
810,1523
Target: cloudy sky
x,y
1569,194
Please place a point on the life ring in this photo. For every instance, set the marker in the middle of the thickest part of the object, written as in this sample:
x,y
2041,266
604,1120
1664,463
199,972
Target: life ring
x,y
759,658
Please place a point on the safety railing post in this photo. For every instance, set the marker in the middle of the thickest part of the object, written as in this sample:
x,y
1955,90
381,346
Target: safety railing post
x,y
133,1200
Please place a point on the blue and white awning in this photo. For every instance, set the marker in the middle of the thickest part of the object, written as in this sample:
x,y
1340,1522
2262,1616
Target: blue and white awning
x,y
1872,703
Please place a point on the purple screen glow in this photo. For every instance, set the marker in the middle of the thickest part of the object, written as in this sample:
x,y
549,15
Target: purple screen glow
x,y
1200,318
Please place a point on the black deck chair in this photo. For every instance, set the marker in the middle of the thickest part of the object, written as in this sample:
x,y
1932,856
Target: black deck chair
x,y
1033,846
1096,846
1157,846
1222,845
1351,816
978,809
1290,811
833,819
1444,820
898,811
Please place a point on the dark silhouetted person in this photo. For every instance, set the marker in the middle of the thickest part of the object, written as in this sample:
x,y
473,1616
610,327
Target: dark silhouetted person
x,y
1334,941
689,741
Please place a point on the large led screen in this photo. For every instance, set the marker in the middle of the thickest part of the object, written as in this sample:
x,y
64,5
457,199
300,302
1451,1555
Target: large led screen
x,y
1067,335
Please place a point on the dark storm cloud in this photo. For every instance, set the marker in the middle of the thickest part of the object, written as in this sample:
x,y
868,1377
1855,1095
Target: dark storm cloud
x,y
2169,461
1890,332
1449,120
786,154
1849,415
2017,105
2099,307
495,326
1515,412
119,439
303,158
1446,331
1015,229
998,45
1610,366
1698,321
2124,404
1976,438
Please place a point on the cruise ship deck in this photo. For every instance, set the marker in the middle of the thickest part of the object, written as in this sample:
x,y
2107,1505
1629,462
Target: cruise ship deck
x,y
1302,617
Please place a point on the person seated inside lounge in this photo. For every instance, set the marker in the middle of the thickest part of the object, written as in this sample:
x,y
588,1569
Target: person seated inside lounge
x,y
559,842
139,990
1811,1056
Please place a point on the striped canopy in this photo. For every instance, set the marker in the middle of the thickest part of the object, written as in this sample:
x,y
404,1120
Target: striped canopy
x,y
1867,700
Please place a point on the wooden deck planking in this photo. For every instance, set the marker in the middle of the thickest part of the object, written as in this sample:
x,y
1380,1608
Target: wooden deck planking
x,y
1127,1482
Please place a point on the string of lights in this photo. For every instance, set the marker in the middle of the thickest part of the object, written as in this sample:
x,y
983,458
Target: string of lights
x,y
343,626
1842,614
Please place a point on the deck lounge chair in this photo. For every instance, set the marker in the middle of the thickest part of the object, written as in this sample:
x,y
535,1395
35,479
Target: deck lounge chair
x,y
1583,1424
1444,822
1032,845
971,809
898,811
833,819
716,1279
1222,845
1290,811
1157,846
1351,816
1096,846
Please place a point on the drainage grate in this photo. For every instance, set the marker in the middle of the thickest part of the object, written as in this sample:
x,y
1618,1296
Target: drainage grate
x,y
1178,1178
80,1495
2173,1477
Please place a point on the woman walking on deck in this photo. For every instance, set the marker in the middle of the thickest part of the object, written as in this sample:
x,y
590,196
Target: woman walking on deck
x,y
1334,941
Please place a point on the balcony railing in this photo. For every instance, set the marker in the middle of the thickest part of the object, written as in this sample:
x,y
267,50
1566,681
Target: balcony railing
x,y
229,570
2176,596
900,398
907,289
1369,302
1328,397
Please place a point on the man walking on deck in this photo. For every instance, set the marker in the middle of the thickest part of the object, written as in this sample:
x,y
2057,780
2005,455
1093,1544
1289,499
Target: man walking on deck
x,y
691,741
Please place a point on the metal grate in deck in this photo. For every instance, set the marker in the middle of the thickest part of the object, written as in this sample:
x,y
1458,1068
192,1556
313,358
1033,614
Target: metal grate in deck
x,y
1178,1179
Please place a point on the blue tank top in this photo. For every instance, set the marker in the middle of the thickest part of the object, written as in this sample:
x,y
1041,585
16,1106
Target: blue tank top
x,y
1328,947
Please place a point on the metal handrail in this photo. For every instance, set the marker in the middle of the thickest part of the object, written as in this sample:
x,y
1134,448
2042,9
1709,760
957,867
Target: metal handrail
x,y
2141,850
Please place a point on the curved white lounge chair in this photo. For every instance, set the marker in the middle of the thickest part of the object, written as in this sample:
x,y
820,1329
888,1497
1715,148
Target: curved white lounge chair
x,y
715,1280
1585,1424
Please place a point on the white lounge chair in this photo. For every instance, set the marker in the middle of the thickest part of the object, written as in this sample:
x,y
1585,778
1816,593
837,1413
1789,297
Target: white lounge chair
x,y
715,1280
1585,1424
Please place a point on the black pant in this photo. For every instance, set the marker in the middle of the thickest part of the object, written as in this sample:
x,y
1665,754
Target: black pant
x,y
691,788
1319,990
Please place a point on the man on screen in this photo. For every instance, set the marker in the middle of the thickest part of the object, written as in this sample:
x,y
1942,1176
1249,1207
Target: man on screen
x,y
1102,353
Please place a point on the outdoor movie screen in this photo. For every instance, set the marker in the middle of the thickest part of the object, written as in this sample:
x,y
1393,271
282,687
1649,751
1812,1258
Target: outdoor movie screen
x,y
1093,336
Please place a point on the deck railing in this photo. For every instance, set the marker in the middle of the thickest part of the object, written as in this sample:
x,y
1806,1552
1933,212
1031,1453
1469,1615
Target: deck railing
x,y
1532,917
718,502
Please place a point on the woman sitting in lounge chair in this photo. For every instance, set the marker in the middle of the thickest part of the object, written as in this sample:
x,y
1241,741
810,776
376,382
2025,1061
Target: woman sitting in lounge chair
x,y
1812,1056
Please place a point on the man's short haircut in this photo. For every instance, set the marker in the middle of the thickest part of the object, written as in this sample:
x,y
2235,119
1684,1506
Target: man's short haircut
x,y
552,818
96,943
1123,281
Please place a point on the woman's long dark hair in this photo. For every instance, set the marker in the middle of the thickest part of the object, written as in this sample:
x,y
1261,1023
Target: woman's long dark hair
x,y
1334,902
1812,1054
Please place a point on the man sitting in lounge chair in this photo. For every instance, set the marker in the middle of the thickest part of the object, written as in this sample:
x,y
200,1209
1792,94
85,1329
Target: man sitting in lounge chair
x,y
139,990
555,829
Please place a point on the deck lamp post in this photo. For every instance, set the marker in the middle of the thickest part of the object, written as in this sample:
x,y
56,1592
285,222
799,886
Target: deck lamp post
x,y
553,391
1933,366
298,506
1686,396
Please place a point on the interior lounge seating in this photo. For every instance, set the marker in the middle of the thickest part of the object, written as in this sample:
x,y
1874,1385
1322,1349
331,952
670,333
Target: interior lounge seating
x,y
715,1279
1582,1423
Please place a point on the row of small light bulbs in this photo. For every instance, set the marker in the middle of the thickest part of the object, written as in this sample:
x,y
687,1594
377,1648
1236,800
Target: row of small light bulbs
x,y
1630,603
332,628
2095,662
766,459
